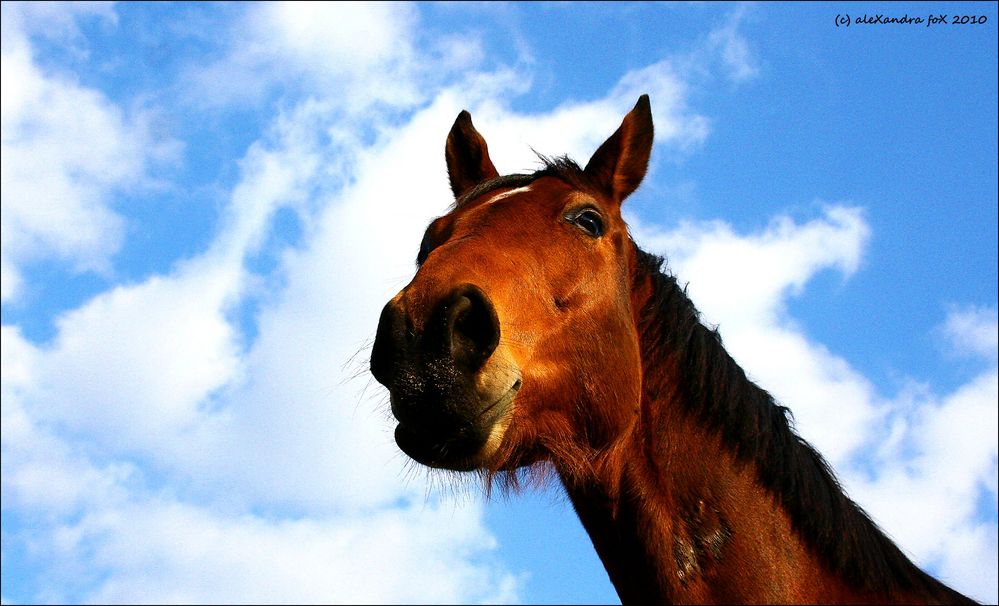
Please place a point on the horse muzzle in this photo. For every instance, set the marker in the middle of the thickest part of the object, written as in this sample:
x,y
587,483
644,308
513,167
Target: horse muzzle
x,y
451,385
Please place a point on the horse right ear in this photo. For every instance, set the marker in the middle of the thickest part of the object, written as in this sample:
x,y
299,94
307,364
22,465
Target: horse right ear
x,y
467,156
619,165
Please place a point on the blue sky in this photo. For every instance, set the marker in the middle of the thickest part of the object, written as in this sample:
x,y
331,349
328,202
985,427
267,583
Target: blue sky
x,y
206,205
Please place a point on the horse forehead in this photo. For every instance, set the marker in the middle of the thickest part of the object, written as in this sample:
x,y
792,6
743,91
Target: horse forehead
x,y
544,193
525,211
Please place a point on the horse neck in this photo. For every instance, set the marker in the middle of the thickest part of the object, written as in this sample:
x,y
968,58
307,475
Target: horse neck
x,y
706,498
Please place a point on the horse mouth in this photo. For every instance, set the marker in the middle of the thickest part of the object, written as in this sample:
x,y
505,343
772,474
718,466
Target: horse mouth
x,y
460,447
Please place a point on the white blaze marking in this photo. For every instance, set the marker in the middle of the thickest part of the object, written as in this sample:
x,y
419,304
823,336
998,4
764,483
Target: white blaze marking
x,y
507,194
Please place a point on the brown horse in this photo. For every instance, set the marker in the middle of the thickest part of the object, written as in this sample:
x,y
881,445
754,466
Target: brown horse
x,y
536,332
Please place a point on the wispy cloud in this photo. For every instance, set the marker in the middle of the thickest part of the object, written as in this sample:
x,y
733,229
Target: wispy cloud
x,y
731,47
356,56
973,331
66,150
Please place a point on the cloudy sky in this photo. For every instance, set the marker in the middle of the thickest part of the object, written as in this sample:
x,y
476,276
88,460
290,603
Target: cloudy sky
x,y
206,205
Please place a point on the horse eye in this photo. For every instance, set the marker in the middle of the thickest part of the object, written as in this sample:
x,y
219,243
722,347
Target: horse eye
x,y
589,220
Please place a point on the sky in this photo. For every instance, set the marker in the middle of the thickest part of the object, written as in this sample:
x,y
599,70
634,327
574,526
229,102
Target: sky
x,y
205,206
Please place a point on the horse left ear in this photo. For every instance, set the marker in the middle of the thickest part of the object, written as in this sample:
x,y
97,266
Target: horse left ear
x,y
618,166
467,156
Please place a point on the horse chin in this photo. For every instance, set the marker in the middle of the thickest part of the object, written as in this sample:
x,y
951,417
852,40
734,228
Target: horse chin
x,y
437,452
466,448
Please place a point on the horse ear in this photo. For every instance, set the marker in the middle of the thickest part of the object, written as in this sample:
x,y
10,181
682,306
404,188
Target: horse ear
x,y
619,165
467,156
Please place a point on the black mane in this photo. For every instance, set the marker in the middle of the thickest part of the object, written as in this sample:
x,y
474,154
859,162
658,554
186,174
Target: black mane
x,y
756,430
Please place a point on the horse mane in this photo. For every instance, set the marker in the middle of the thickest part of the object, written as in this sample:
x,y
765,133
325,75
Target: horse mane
x,y
756,430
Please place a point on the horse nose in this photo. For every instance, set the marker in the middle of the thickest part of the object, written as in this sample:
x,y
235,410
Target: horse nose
x,y
462,327
471,329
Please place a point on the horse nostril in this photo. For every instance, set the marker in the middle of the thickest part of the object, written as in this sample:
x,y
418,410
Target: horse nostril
x,y
472,326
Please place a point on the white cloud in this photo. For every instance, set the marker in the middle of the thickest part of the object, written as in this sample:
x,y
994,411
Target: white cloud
x,y
930,479
117,541
58,21
39,470
973,331
138,383
732,48
357,56
66,149
419,554
762,268
324,34
137,367
927,482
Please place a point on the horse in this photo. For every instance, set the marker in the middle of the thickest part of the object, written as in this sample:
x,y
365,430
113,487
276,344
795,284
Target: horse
x,y
537,335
